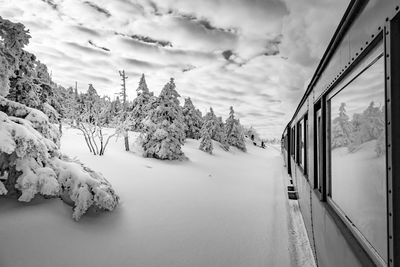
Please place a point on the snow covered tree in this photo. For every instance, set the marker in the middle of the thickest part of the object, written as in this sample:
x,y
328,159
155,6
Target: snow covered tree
x,y
142,88
70,106
220,134
367,126
13,59
217,132
30,160
31,85
341,128
92,120
115,110
142,104
193,119
164,128
234,131
210,116
205,140
251,133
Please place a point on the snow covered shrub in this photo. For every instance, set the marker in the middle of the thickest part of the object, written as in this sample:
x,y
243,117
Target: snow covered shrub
x,y
92,119
84,186
234,131
164,129
193,119
30,162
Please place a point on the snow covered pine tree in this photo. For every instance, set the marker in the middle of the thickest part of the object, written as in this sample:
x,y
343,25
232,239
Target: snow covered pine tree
x,y
164,128
234,131
30,161
141,105
217,130
193,119
220,133
341,128
206,142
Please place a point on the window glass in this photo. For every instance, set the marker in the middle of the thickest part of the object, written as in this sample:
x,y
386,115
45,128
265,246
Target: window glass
x,y
300,143
318,149
358,155
305,143
293,141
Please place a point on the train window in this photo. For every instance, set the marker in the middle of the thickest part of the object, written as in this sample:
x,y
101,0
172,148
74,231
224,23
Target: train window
x,y
300,142
318,149
293,142
357,152
305,143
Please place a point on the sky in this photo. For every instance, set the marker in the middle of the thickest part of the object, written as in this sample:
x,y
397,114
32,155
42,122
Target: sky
x,y
255,55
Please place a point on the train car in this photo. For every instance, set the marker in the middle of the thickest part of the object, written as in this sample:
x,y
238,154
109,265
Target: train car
x,y
341,144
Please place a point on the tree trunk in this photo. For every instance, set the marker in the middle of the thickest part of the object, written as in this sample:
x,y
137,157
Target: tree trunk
x,y
126,141
87,142
60,126
103,150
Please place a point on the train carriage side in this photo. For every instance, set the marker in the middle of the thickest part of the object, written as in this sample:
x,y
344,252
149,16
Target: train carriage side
x,y
338,146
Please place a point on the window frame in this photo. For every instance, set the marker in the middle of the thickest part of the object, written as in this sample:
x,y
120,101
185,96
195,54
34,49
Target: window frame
x,y
302,144
319,154
305,144
293,143
375,51
298,143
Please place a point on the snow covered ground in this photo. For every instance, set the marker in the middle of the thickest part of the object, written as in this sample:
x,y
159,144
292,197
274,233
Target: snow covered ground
x,y
225,209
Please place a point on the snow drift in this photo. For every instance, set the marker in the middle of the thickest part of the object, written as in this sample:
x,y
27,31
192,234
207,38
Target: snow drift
x,y
31,164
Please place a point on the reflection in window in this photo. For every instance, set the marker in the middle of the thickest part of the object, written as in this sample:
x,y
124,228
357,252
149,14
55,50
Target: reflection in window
x,y
300,143
358,155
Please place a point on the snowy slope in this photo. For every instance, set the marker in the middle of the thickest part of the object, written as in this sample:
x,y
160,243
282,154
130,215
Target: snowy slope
x,y
225,209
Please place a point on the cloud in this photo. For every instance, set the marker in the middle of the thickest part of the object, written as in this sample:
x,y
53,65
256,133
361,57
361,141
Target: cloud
x,y
100,47
304,40
86,30
85,49
51,4
256,55
98,8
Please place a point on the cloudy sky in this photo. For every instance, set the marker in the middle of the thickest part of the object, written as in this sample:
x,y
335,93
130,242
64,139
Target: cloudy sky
x,y
257,55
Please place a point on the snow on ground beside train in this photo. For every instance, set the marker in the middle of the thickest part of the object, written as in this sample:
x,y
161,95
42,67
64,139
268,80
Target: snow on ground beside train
x,y
225,209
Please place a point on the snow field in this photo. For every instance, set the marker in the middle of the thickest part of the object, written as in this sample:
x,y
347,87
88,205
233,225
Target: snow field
x,y
225,209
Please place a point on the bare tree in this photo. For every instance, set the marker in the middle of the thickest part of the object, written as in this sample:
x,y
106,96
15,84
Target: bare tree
x,y
123,113
92,120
